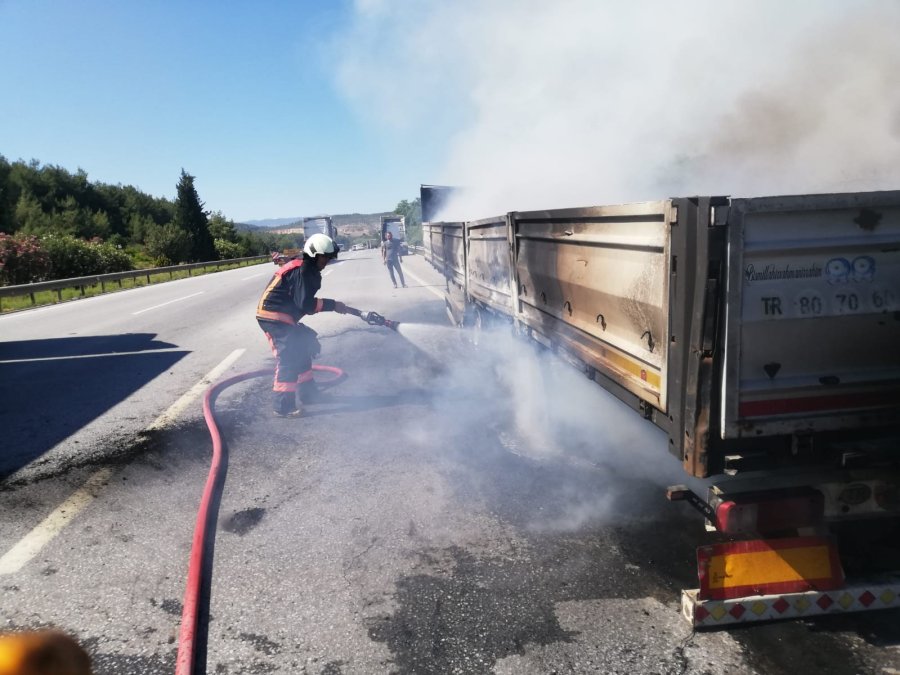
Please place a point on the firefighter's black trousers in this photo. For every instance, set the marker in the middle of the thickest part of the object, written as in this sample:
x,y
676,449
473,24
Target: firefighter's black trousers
x,y
294,347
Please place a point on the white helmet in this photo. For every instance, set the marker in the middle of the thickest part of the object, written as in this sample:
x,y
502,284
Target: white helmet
x,y
320,244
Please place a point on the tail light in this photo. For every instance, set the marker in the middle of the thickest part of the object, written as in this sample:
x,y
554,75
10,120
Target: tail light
x,y
770,511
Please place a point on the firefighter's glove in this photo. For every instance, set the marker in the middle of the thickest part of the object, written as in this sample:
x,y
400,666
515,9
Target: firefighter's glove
x,y
340,307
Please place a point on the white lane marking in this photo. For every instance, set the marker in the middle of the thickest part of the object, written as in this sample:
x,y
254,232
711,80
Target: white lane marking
x,y
141,311
31,544
91,356
327,272
178,407
253,276
424,283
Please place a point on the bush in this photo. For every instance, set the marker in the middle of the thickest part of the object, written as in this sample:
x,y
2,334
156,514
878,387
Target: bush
x,y
113,258
226,250
71,257
168,244
140,258
22,260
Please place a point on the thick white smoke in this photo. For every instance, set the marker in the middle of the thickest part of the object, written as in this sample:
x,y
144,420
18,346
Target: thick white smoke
x,y
505,393
585,102
581,102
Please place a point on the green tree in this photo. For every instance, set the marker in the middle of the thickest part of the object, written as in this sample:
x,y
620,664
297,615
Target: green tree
x,y
73,218
8,198
412,212
168,244
28,215
228,250
249,245
139,225
192,219
222,228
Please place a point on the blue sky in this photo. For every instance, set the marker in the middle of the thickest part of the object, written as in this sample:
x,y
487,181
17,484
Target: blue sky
x,y
285,109
240,94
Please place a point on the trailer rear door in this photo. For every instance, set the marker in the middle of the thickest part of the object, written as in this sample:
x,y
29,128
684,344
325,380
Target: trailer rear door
x,y
812,333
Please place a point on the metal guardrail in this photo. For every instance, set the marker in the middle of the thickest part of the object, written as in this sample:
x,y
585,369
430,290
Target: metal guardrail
x,y
116,277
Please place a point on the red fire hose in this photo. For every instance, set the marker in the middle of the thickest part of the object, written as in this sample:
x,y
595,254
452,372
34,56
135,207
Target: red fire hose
x,y
184,664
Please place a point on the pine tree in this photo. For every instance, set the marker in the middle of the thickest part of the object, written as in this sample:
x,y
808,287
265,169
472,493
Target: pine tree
x,y
190,217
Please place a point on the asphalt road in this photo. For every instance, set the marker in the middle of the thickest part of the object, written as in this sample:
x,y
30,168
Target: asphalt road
x,y
446,509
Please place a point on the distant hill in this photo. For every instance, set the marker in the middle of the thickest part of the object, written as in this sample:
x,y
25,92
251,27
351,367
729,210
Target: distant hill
x,y
348,224
272,222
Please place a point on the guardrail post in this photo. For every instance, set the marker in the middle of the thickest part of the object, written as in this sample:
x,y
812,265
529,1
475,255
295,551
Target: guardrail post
x,y
102,286
59,294
33,299
148,279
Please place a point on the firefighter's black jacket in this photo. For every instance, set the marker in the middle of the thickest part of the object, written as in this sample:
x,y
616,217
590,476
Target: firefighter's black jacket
x,y
291,294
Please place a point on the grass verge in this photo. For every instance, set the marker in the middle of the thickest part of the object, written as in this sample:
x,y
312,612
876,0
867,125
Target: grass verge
x,y
16,303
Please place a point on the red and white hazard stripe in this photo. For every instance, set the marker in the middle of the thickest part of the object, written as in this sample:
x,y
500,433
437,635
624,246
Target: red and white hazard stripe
x,y
876,593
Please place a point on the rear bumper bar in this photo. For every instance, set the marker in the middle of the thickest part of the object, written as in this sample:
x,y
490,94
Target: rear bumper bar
x,y
877,593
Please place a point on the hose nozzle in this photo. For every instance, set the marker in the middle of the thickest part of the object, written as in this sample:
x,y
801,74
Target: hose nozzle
x,y
375,319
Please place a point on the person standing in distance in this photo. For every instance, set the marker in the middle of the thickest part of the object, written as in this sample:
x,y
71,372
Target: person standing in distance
x,y
390,256
290,296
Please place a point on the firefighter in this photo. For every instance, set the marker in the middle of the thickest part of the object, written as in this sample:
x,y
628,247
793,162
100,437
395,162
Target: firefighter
x,y
291,295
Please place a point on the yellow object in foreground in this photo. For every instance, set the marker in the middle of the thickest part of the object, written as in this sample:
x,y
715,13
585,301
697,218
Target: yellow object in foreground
x,y
42,653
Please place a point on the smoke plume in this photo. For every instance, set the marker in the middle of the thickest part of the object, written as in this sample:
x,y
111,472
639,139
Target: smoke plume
x,y
579,102
589,102
597,459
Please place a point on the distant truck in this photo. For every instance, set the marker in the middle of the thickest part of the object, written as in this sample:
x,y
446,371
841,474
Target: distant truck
x,y
396,225
319,225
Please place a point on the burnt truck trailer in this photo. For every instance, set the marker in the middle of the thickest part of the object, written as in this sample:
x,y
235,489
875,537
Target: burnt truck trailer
x,y
762,335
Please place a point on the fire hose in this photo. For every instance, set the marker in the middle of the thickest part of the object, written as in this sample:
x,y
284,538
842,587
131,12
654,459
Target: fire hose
x,y
184,663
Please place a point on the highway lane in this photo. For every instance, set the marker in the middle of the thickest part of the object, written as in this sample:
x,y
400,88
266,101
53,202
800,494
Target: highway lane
x,y
134,352
446,510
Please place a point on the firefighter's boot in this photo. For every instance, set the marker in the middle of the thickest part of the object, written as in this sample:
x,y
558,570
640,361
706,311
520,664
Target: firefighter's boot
x,y
285,404
309,392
